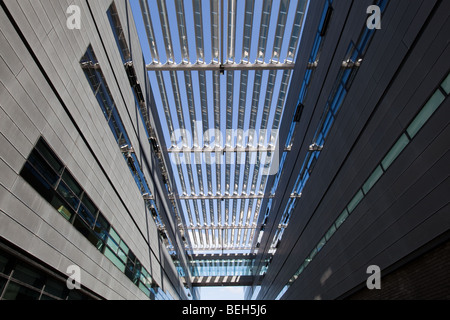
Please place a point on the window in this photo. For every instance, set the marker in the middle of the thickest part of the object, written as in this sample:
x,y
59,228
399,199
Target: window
x,y
119,34
342,218
24,279
96,79
330,232
321,244
373,179
355,201
395,151
15,291
114,259
52,180
425,114
446,85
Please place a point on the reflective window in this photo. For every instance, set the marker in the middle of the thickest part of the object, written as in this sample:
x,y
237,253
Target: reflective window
x,y
355,201
114,259
321,244
2,284
330,232
27,282
3,262
88,211
37,181
67,196
425,114
118,32
373,179
28,275
55,288
72,184
446,84
62,207
46,171
395,151
49,155
15,291
342,218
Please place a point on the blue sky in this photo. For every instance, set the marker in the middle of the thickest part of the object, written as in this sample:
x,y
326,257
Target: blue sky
x,y
222,293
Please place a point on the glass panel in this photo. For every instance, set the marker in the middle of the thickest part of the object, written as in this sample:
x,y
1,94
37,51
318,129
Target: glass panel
x,y
113,234
425,114
3,261
264,30
114,259
279,33
118,33
45,297
313,254
28,275
43,168
87,202
55,288
131,256
124,247
2,285
102,95
122,255
87,216
341,218
146,277
321,244
75,295
101,227
71,183
62,207
51,158
300,270
68,195
330,232
114,124
112,244
130,272
373,179
37,181
446,84
144,289
15,291
395,151
355,201
87,232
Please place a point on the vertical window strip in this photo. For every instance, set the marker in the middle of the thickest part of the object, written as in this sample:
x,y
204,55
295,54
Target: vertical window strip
x,y
97,81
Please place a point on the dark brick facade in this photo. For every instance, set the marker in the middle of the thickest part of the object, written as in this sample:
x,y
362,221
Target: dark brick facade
x,y
424,278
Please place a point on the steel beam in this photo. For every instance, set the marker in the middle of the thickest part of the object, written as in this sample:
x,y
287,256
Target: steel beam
x,y
222,150
219,67
222,197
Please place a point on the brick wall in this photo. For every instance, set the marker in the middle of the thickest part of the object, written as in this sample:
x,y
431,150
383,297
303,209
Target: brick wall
x,y
424,278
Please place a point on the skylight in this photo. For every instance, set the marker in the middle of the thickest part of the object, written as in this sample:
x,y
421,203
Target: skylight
x,y
220,73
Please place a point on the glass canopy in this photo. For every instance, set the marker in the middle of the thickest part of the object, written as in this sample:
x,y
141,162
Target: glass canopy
x,y
220,81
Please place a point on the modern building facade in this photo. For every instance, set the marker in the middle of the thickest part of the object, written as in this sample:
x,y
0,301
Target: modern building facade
x,y
83,180
94,193
364,182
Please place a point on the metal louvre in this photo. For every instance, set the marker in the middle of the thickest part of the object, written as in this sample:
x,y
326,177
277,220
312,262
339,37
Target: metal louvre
x,y
221,202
